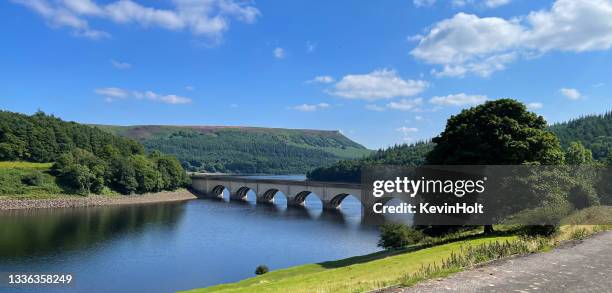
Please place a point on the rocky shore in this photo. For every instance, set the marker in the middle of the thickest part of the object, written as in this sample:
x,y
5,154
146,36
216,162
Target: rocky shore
x,y
94,200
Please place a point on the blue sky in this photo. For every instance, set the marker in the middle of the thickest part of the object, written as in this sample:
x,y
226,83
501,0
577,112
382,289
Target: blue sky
x,y
382,72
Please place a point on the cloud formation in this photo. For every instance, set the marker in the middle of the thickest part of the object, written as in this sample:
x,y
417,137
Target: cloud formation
x,y
310,107
121,65
112,94
469,44
322,79
406,131
209,18
405,104
461,99
378,84
279,53
535,106
572,94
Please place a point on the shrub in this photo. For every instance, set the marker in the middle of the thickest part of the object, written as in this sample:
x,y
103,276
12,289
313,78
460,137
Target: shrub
x,y
583,196
262,269
33,179
393,235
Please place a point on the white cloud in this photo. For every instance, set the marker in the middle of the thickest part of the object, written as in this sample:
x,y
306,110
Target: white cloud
x,y
480,3
379,84
468,44
405,104
310,107
112,93
418,118
496,3
535,106
121,65
373,107
167,99
572,94
461,99
423,3
189,88
322,79
205,18
279,53
406,131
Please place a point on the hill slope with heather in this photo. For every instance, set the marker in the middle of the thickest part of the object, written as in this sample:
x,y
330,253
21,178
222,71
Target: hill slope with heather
x,y
231,149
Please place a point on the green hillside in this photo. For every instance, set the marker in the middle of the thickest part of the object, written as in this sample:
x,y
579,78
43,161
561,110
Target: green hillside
x,y
77,159
244,149
594,132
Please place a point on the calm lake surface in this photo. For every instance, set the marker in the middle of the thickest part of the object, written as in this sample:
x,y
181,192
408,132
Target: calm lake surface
x,y
175,246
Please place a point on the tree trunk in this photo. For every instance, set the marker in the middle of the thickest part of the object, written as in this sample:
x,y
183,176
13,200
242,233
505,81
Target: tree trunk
x,y
488,229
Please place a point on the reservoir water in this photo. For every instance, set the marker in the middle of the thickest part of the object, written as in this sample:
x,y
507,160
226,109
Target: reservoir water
x,y
167,247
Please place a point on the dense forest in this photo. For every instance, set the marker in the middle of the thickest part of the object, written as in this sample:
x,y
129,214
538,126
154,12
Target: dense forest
x,y
245,149
594,132
86,159
350,170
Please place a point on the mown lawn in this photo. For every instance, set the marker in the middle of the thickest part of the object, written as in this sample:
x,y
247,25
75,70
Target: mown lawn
x,y
356,274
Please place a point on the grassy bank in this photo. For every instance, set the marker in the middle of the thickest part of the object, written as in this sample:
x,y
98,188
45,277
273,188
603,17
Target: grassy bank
x,y
356,274
28,180
416,263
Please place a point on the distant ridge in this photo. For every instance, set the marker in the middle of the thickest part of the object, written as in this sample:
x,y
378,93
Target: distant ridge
x,y
244,149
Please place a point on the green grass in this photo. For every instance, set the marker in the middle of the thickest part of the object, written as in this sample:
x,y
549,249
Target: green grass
x,y
355,274
25,165
438,257
13,174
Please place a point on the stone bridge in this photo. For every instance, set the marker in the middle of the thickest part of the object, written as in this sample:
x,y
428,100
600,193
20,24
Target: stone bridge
x,y
331,194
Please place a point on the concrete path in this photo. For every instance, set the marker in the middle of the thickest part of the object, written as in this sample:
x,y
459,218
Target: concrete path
x,y
581,266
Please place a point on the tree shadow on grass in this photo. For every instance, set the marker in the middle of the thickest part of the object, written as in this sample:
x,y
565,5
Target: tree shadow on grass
x,y
392,252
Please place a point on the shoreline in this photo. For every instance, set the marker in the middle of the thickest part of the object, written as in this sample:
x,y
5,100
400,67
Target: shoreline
x,y
67,201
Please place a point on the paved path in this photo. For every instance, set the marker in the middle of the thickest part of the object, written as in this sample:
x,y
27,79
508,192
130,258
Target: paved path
x,y
584,266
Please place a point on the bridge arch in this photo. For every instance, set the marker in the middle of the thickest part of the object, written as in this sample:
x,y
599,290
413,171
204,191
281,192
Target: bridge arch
x,y
269,195
217,191
241,193
337,200
299,200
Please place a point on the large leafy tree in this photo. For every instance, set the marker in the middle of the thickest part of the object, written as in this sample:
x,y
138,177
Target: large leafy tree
x,y
500,132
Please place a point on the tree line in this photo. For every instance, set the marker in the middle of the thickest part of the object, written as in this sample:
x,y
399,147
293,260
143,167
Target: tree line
x,y
503,132
586,139
86,159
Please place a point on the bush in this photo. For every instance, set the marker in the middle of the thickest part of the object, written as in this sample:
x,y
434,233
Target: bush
x,y
33,179
583,196
262,269
393,235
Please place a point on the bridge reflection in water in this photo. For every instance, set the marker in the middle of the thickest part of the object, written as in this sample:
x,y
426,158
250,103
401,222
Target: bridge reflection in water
x,y
331,194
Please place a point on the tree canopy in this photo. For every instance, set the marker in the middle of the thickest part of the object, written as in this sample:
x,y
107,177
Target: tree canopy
x,y
500,132
86,159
